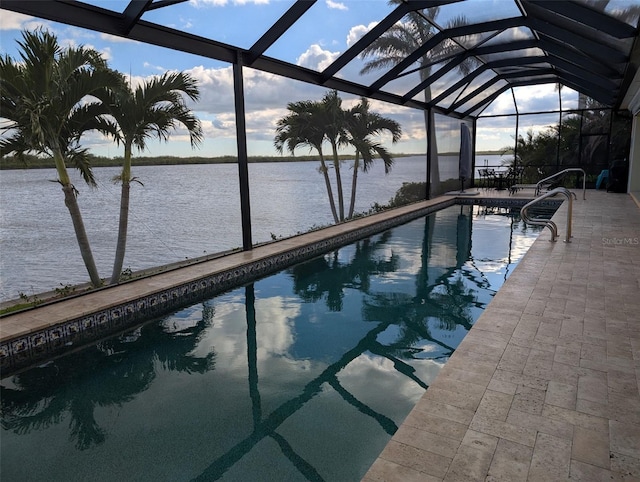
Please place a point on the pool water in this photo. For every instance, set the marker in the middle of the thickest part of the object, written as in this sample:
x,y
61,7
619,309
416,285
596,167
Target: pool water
x,y
303,375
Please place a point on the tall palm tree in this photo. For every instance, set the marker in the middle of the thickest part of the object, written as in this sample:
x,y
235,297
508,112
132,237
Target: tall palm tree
x,y
402,39
153,109
50,98
334,121
361,125
303,126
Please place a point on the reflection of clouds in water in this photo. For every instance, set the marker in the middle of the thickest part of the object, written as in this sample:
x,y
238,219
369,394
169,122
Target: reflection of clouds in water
x,y
275,319
374,380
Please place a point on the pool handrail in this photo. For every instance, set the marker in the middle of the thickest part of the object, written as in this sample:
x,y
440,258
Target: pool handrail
x,y
547,222
546,180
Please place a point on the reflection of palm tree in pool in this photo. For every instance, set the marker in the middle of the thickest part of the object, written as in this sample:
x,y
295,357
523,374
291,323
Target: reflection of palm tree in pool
x,y
112,372
327,276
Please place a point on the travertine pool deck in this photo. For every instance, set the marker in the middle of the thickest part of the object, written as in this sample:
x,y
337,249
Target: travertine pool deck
x,y
545,386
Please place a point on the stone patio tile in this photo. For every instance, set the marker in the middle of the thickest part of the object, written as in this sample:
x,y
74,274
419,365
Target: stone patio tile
x,y
622,382
470,464
426,440
458,360
489,338
567,355
500,429
625,464
564,373
593,408
625,437
530,400
619,347
386,471
463,387
572,327
514,358
584,420
498,324
541,424
548,329
481,441
416,459
593,352
561,395
551,459
481,351
510,462
461,400
535,307
582,472
591,447
502,387
526,328
592,389
480,379
525,380
436,425
495,405
445,411
624,409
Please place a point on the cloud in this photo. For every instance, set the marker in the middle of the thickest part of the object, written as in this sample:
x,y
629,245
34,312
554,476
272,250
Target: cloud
x,y
148,65
12,20
114,38
316,58
357,32
336,5
17,21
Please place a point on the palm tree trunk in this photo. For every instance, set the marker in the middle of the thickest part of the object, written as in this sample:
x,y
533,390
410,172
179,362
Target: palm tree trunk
x,y
336,164
327,181
124,216
122,233
354,182
71,202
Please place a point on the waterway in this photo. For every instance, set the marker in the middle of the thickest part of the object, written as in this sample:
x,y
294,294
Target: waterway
x,y
177,212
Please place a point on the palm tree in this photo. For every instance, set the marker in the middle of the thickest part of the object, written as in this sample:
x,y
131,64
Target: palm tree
x,y
334,122
151,110
361,124
304,126
402,39
50,98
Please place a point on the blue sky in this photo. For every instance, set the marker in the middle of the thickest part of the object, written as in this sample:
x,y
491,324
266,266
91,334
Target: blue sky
x,y
317,39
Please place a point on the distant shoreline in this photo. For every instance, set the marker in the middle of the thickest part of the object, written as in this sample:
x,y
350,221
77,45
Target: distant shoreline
x,y
32,162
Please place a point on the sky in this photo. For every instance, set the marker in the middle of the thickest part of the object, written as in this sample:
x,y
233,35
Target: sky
x,y
317,39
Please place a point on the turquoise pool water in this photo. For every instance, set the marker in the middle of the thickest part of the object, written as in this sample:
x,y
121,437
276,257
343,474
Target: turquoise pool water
x,y
303,375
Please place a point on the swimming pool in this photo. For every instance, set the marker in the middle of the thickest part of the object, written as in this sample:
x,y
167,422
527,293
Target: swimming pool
x,y
303,375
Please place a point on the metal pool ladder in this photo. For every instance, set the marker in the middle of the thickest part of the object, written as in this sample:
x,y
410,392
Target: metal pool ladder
x,y
547,222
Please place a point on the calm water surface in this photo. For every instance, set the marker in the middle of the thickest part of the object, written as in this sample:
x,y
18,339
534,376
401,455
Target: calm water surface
x,y
180,212
303,375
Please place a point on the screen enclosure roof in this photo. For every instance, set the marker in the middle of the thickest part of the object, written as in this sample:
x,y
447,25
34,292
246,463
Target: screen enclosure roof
x,y
456,56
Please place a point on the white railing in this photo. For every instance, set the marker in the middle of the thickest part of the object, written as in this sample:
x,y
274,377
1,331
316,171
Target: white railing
x,y
547,223
549,180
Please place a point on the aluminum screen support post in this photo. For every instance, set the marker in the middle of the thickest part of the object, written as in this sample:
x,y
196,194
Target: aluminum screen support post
x,y
243,161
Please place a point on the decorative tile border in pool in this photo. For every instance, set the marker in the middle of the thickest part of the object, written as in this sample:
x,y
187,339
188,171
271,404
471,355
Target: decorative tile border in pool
x,y
23,351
